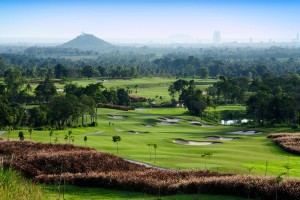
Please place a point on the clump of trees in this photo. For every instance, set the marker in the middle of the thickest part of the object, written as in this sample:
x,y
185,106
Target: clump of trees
x,y
53,109
189,95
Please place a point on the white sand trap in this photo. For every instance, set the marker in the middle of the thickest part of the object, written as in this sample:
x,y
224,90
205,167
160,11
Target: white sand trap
x,y
245,133
95,133
116,117
208,125
196,123
148,125
171,120
167,123
135,132
219,138
141,109
2,132
119,130
194,143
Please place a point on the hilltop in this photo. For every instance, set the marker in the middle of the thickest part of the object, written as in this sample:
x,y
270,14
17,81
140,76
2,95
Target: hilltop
x,y
88,42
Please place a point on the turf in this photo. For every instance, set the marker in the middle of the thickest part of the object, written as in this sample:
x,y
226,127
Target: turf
x,y
80,193
237,156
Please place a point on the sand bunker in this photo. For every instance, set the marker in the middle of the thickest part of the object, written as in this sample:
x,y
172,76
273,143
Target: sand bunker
x,y
245,133
119,130
116,117
136,132
194,142
168,121
141,109
95,133
219,138
196,123
148,125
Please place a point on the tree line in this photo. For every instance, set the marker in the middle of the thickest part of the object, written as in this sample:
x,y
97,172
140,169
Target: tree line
x,y
192,62
52,108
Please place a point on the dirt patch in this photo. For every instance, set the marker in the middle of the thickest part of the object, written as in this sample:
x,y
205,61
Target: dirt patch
x,y
194,142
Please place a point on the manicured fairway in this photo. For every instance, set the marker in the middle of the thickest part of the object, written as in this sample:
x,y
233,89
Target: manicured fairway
x,y
244,154
147,87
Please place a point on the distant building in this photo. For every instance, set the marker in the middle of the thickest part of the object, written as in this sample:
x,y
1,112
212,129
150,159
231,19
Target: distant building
x,y
297,38
217,37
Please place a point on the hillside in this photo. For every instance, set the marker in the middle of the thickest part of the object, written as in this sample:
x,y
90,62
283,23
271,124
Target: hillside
x,y
88,42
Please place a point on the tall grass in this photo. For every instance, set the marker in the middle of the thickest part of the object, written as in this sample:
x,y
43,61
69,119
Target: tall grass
x,y
13,186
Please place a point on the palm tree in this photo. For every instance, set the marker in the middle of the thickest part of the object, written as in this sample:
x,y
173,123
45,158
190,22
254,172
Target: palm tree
x,y
30,133
206,155
116,139
278,179
69,135
85,139
155,147
51,134
21,135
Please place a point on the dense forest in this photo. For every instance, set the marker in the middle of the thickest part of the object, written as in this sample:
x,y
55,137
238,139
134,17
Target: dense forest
x,y
269,86
185,62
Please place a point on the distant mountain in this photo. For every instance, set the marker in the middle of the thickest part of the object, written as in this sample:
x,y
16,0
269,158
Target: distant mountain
x,y
88,42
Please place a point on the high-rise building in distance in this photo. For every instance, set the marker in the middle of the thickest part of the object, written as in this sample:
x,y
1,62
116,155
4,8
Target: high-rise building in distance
x,y
217,37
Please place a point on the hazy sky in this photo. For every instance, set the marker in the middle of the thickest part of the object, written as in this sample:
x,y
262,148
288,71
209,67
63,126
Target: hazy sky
x,y
109,19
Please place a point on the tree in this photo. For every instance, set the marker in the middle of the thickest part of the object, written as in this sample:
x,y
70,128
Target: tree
x,y
203,72
69,135
62,109
60,71
37,116
85,139
155,147
14,81
123,98
51,134
89,71
206,155
45,90
30,133
116,139
278,179
21,135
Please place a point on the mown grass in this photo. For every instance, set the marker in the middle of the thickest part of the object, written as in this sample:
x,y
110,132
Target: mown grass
x,y
154,87
235,156
79,193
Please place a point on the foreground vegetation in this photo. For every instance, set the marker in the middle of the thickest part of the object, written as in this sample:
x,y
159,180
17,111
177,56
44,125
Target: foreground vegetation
x,y
14,186
61,164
